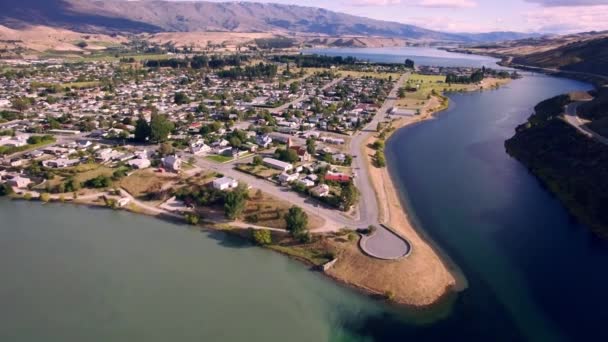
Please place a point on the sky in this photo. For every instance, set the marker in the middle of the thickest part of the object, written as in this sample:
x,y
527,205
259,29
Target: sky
x,y
543,16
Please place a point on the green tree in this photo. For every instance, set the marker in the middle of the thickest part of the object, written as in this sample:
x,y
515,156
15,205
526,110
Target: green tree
x,y
294,87
5,190
402,93
160,128
181,98
297,223
20,103
262,237
165,149
379,159
409,64
257,160
235,142
142,130
45,197
349,196
234,203
192,219
311,145
286,155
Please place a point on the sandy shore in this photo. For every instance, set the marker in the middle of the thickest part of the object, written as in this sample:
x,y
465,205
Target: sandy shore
x,y
425,276
419,280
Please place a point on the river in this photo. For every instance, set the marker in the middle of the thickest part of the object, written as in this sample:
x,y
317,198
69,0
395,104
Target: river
x,y
74,273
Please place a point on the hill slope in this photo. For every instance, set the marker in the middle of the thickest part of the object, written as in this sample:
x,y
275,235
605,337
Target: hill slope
x,y
189,16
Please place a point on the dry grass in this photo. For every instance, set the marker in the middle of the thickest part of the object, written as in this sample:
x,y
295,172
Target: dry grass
x,y
270,212
143,182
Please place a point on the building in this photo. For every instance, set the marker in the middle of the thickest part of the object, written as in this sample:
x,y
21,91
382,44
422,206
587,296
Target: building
x,y
19,182
288,178
263,140
139,163
277,164
172,163
60,163
224,183
337,177
320,190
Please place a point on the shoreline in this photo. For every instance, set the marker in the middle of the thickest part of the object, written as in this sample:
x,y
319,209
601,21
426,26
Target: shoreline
x,y
437,274
423,280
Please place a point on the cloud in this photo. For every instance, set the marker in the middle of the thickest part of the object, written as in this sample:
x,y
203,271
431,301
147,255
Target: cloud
x,y
567,19
418,3
448,3
569,3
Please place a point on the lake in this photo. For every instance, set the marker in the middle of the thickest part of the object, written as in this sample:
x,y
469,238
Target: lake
x,y
78,274
420,55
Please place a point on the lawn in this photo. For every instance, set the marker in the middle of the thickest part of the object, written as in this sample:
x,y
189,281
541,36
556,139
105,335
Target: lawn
x,y
426,84
219,159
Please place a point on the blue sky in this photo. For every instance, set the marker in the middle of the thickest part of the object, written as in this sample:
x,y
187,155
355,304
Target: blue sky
x,y
547,16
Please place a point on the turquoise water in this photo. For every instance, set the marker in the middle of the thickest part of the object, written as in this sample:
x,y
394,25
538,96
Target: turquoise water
x,y
78,274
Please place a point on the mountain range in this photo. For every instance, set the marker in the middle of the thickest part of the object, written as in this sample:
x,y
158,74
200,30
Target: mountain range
x,y
121,16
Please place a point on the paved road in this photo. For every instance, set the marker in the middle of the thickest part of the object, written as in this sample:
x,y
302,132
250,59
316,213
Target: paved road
x,y
572,118
384,244
369,208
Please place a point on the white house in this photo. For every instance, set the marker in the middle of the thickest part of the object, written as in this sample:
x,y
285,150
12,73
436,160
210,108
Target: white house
x,y
320,191
263,141
19,182
172,163
224,183
199,148
306,182
60,163
139,163
277,164
287,178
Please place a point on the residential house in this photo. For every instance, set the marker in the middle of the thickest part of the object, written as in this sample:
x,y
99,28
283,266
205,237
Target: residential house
x,y
320,190
172,163
277,164
224,183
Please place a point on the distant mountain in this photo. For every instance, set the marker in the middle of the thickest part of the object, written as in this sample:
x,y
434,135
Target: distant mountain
x,y
110,16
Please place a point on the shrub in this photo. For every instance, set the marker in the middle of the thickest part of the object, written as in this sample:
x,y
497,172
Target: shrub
x,y
192,219
262,237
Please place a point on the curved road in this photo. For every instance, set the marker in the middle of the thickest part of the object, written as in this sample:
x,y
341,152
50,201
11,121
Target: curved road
x,y
572,118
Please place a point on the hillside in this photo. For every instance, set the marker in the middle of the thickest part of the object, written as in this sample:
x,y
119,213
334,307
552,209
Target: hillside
x,y
112,16
590,56
571,165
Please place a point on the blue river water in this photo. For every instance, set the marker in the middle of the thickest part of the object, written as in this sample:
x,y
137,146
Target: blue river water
x,y
534,274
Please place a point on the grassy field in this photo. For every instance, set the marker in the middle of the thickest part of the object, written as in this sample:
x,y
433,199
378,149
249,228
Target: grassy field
x,y
81,85
142,182
356,74
92,171
268,211
219,159
426,85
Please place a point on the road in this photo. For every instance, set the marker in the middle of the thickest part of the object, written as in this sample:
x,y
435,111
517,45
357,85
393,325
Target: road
x,y
369,210
572,118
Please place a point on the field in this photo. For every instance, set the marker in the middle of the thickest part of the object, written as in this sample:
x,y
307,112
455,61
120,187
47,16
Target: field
x,y
265,210
142,182
355,74
219,159
426,85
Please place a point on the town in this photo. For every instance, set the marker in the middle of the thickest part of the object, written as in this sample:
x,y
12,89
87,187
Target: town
x,y
237,138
